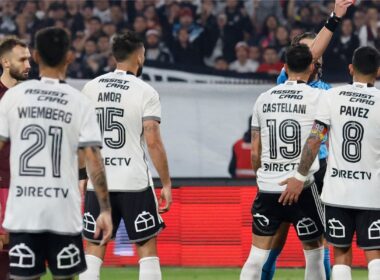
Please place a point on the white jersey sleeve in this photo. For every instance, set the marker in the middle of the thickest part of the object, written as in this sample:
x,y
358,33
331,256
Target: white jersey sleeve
x,y
152,107
352,178
89,131
323,112
255,116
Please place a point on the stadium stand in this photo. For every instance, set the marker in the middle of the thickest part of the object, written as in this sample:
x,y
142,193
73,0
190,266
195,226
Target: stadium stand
x,y
195,34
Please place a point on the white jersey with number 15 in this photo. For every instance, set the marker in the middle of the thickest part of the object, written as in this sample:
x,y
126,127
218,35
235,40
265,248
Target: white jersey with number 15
x,y
122,103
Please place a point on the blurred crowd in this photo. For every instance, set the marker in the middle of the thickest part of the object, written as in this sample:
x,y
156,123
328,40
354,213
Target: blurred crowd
x,y
243,36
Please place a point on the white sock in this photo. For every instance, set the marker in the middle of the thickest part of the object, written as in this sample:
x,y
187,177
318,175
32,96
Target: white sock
x,y
254,264
374,269
150,268
93,268
314,269
341,272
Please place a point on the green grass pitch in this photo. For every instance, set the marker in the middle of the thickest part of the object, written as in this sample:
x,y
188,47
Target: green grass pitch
x,y
179,273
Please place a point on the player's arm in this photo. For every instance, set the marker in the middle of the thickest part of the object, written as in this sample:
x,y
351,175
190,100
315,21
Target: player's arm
x,y
324,36
158,155
97,174
309,153
255,148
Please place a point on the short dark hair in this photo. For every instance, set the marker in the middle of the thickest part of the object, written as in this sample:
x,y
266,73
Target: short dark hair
x,y
8,43
306,35
298,58
52,44
124,44
366,60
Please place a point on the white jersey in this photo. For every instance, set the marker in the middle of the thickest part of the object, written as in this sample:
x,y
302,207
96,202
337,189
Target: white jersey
x,y
46,122
353,171
284,115
122,103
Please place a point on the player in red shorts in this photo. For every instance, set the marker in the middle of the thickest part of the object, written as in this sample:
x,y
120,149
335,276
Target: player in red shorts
x,y
14,60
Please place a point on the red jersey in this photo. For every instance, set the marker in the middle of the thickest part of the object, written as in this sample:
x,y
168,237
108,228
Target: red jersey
x,y
4,153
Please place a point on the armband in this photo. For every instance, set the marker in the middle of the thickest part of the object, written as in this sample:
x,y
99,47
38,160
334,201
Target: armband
x,y
319,129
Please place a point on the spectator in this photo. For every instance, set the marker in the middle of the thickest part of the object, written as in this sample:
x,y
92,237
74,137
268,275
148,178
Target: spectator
x,y
117,17
156,50
255,53
140,26
7,23
267,36
359,21
185,52
264,9
340,51
93,28
368,32
109,29
282,41
238,18
221,64
271,64
186,20
102,10
294,32
103,46
151,17
243,64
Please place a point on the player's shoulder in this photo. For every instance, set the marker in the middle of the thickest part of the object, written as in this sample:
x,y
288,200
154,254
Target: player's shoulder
x,y
95,81
146,88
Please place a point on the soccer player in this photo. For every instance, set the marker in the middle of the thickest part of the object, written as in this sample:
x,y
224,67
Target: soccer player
x,y
48,123
129,115
282,117
351,192
14,60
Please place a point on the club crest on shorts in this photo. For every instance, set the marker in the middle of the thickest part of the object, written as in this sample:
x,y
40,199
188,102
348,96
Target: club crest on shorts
x,y
144,221
89,223
306,226
336,228
68,257
261,219
22,256
374,230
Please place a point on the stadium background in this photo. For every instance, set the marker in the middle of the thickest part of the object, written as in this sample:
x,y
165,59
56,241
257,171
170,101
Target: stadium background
x,y
208,60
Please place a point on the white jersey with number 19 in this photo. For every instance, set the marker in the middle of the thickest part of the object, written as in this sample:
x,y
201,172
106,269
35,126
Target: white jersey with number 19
x,y
123,102
46,122
284,115
353,171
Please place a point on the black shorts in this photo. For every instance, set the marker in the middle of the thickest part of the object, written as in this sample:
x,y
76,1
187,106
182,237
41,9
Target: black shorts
x,y
139,211
341,223
306,215
29,253
320,175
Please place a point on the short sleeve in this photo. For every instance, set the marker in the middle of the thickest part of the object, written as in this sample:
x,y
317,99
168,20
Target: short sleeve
x,y
89,134
255,117
86,89
4,120
323,109
152,107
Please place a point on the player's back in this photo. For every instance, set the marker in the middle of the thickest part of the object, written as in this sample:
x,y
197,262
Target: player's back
x,y
47,123
285,115
122,103
353,172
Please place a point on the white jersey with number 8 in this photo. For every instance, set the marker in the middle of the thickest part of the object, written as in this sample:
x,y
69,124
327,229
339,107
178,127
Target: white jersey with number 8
x,y
353,172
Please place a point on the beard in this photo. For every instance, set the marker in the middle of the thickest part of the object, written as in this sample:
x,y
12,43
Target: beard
x,y
17,75
139,71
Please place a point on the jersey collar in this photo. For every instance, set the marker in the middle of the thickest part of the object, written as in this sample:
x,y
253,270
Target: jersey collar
x,y
288,82
126,72
51,80
362,85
